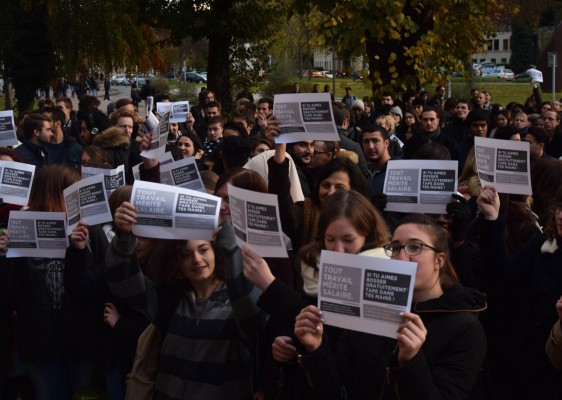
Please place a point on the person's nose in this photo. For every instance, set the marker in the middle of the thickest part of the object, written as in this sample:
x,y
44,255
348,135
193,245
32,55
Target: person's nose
x,y
339,247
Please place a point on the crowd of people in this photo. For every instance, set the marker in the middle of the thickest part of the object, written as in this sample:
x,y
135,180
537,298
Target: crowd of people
x,y
129,317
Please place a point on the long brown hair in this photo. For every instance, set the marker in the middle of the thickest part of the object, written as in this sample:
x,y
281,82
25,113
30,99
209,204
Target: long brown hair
x,y
361,214
46,192
550,230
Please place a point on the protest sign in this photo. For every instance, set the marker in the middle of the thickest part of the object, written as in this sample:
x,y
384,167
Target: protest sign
x,y
113,178
182,173
87,200
178,110
305,117
37,234
365,294
159,138
8,136
168,212
505,164
255,217
420,185
15,182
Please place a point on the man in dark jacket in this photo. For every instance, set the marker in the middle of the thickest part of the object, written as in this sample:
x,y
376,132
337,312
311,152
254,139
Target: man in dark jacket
x,y
431,131
63,149
37,134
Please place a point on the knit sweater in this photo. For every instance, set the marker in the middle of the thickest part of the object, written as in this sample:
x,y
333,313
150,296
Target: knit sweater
x,y
204,353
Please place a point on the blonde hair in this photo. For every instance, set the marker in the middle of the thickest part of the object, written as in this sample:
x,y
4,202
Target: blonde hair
x,y
387,122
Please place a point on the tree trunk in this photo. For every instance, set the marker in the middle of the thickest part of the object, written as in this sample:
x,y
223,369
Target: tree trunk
x,y
219,69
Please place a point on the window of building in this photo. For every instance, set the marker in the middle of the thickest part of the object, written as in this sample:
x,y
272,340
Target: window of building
x,y
506,44
490,45
493,60
504,61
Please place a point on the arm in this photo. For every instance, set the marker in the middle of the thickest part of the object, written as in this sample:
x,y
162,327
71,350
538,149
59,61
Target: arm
x,y
83,273
242,293
124,276
454,374
537,93
553,346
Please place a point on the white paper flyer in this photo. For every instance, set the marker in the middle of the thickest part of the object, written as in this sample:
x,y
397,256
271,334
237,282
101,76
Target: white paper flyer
x,y
505,164
422,186
37,234
159,138
365,294
169,212
15,182
8,136
305,116
87,200
256,222
113,178
182,173
178,110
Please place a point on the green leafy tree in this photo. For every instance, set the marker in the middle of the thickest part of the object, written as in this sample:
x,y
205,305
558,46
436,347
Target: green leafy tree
x,y
42,38
409,43
228,25
27,51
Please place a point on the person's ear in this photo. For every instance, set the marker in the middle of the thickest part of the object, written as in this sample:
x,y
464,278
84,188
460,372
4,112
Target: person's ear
x,y
440,260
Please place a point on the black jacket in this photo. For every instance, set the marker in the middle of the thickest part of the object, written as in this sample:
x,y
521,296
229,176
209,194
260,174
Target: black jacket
x,y
447,366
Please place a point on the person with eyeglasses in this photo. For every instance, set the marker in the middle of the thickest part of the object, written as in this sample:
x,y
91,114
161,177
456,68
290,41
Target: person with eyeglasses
x,y
522,288
348,223
440,346
552,128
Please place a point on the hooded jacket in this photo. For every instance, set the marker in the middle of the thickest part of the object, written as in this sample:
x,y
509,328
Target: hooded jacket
x,y
447,365
120,150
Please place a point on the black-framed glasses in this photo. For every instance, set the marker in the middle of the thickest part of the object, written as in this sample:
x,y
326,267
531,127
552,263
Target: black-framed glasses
x,y
410,248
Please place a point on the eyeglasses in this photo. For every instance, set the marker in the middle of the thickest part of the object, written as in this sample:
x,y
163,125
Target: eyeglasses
x,y
410,248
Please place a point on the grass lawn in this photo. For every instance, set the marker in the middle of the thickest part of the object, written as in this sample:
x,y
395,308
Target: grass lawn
x,y
502,92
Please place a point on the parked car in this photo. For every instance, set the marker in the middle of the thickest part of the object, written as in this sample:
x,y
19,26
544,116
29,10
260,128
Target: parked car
x,y
507,74
313,73
141,79
492,73
192,76
356,75
329,74
120,80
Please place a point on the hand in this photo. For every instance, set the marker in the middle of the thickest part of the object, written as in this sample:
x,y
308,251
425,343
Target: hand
x,y
272,130
4,241
125,217
256,269
411,336
559,308
461,217
224,238
489,203
146,142
282,349
110,314
189,121
309,327
80,236
259,395
262,120
199,154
